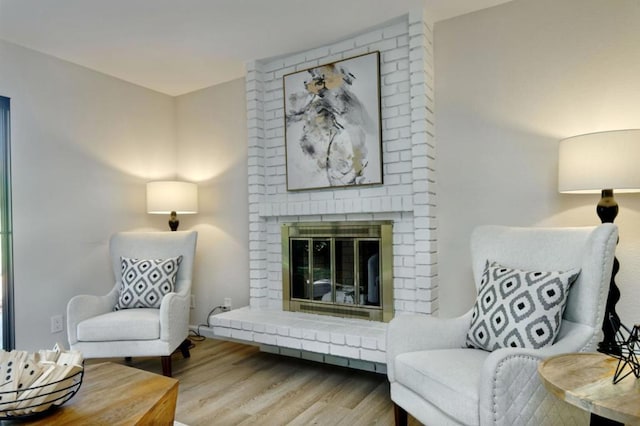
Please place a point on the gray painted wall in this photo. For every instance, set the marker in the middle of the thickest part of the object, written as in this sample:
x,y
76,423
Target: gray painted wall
x,y
212,150
511,81
83,147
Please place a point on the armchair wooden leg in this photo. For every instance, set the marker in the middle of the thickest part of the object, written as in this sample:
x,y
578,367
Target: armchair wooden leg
x,y
184,348
166,360
400,415
166,365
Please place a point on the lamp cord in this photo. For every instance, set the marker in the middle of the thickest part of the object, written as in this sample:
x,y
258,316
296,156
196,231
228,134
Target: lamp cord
x,y
196,333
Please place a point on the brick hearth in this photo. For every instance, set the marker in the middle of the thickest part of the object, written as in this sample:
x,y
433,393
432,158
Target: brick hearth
x,y
342,341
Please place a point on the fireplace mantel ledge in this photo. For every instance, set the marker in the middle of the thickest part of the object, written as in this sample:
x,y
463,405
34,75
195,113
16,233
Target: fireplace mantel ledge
x,y
343,341
386,204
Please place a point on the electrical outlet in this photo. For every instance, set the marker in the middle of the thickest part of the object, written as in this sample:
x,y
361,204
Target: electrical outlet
x,y
193,301
56,324
227,304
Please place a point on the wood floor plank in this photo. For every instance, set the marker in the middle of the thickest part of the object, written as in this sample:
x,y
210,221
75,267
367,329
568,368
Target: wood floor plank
x,y
229,383
369,411
321,413
310,386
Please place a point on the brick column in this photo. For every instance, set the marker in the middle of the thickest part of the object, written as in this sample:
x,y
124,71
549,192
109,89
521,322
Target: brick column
x,y
423,159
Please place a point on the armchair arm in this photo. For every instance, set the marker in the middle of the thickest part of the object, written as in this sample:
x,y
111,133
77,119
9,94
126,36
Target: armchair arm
x,y
85,306
510,389
174,317
410,333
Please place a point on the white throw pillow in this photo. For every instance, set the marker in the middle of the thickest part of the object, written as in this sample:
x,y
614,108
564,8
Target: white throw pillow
x,y
516,308
146,281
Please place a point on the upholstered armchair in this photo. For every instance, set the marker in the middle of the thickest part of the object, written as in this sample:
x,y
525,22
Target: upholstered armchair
x,y
146,313
437,378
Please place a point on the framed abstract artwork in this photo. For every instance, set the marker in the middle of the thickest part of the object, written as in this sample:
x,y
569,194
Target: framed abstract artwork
x,y
332,124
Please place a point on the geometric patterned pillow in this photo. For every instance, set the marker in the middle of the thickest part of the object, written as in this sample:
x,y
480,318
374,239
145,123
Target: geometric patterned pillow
x,y
145,282
519,309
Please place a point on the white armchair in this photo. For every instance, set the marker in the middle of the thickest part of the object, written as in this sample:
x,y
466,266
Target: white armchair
x,y
99,331
440,381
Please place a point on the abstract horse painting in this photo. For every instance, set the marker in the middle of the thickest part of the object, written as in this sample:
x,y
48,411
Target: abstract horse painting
x,y
332,124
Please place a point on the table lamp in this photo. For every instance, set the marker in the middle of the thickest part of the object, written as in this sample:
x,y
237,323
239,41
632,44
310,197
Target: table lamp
x,y
172,197
602,162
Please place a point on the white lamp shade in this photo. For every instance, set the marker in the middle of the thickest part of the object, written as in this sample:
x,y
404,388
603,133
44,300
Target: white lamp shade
x,y
596,161
167,196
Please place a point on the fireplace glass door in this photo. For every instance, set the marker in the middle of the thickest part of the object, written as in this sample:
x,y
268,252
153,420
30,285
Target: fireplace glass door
x,y
343,271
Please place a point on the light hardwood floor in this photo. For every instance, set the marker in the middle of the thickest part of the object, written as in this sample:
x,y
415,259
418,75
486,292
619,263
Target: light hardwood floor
x,y
227,383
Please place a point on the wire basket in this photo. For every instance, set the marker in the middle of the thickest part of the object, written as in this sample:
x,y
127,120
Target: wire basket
x,y
38,399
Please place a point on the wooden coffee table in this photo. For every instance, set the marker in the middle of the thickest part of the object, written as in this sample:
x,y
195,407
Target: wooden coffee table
x,y
114,394
586,381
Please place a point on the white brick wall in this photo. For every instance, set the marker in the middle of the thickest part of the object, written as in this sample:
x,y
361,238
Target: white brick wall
x,y
407,196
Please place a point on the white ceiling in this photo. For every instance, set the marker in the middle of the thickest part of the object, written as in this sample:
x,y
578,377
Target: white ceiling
x,y
177,46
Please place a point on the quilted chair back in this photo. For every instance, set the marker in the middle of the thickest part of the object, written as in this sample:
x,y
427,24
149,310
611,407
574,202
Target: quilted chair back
x,y
155,245
589,249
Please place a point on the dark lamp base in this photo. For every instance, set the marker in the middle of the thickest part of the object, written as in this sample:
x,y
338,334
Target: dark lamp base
x,y
173,221
607,210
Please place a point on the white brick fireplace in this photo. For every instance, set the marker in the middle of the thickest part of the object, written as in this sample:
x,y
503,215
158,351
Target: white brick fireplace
x,y
407,196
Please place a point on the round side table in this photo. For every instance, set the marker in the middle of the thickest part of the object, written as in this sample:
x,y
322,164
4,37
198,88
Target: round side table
x,y
586,381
